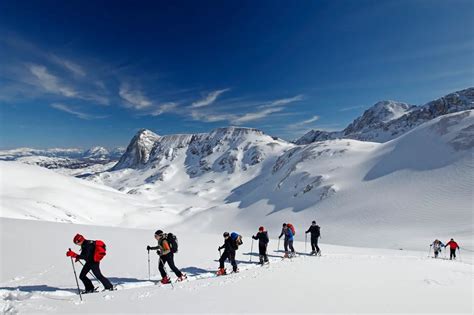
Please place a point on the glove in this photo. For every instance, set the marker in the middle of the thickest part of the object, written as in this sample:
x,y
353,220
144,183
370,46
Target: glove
x,y
219,248
148,247
72,254
158,252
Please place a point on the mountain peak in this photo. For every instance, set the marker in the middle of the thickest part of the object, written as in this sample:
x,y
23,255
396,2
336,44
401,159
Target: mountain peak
x,y
138,151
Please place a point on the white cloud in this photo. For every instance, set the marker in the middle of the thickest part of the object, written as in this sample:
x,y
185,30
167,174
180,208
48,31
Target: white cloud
x,y
69,65
256,115
164,108
285,101
134,98
70,110
209,99
50,82
308,121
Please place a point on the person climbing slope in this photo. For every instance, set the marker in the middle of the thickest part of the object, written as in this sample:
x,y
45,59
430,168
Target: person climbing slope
x,y
263,240
92,252
166,253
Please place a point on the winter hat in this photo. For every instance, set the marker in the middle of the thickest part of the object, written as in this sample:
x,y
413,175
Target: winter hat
x,y
78,238
226,234
159,232
284,224
314,222
261,229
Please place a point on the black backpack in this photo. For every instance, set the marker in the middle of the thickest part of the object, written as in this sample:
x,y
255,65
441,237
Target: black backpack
x,y
173,242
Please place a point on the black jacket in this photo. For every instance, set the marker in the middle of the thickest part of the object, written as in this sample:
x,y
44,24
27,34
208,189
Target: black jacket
x,y
262,238
314,230
87,251
229,245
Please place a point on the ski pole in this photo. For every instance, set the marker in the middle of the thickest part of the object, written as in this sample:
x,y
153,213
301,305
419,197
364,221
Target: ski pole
x,y
75,276
251,251
429,251
305,242
164,268
149,277
278,245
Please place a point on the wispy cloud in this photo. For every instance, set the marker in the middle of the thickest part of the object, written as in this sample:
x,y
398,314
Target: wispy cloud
x,y
68,109
346,109
264,109
209,99
256,115
285,101
164,108
69,65
134,97
50,82
308,121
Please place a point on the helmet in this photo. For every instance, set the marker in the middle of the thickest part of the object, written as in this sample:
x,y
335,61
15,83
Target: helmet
x,y
226,234
261,228
159,232
284,224
314,222
78,238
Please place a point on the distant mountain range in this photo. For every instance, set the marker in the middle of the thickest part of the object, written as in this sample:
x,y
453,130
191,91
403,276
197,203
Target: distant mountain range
x,y
387,120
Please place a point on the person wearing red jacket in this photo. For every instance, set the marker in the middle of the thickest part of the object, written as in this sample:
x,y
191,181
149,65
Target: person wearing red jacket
x,y
452,248
87,253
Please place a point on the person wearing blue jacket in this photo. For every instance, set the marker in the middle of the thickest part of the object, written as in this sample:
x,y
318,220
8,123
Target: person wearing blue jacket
x,y
288,240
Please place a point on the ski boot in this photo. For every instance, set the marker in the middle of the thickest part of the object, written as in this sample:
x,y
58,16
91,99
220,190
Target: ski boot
x,y
221,272
236,270
87,291
182,278
312,253
165,280
286,255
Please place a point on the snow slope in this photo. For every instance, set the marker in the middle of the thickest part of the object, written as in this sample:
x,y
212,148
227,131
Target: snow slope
x,y
366,280
32,192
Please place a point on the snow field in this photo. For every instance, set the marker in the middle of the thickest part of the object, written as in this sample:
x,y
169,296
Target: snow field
x,y
38,278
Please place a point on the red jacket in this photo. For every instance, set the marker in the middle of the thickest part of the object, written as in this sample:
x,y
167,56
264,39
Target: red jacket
x,y
452,245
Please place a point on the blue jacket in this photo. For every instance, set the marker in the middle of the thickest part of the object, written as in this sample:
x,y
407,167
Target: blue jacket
x,y
288,234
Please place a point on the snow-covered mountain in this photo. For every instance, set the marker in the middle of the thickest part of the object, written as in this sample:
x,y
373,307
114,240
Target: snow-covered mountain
x,y
73,161
387,120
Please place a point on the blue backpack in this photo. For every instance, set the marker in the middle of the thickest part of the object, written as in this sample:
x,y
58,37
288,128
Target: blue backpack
x,y
236,238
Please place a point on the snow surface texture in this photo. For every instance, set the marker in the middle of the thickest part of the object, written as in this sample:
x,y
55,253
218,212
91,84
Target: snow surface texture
x,y
387,120
39,277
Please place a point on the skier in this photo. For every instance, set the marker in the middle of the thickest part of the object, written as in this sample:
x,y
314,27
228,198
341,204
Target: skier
x,y
315,231
262,237
437,246
88,250
230,246
288,233
452,248
166,256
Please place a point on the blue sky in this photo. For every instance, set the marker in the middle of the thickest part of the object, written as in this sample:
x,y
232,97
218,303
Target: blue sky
x,y
77,73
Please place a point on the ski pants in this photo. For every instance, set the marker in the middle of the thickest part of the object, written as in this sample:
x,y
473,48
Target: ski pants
x,y
228,255
452,253
95,268
168,258
314,243
289,244
436,253
262,252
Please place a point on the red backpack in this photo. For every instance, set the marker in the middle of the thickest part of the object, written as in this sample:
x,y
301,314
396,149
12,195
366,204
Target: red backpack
x,y
100,251
291,227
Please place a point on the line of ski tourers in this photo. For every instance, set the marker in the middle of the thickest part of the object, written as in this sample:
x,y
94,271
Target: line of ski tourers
x,y
92,252
437,247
